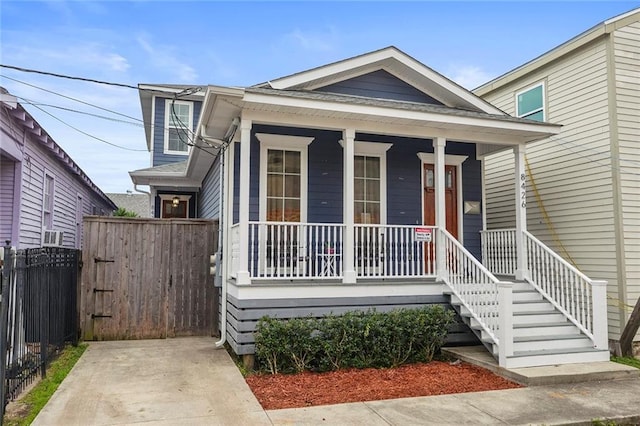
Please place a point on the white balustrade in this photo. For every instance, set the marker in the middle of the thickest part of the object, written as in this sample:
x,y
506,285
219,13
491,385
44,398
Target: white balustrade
x,y
499,251
581,299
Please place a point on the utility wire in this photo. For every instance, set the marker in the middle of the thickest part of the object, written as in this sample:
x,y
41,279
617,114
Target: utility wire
x,y
71,98
35,103
87,134
53,74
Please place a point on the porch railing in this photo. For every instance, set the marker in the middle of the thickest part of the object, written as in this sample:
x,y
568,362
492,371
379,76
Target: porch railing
x,y
394,251
499,251
581,299
476,287
285,250
295,250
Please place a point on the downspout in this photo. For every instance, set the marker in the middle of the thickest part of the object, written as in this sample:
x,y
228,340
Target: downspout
x,y
151,201
221,259
222,236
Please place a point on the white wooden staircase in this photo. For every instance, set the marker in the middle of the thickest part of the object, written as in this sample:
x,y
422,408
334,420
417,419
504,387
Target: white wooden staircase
x,y
542,335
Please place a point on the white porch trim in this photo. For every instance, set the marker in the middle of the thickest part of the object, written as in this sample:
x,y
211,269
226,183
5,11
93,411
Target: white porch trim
x,y
439,145
520,181
348,267
243,276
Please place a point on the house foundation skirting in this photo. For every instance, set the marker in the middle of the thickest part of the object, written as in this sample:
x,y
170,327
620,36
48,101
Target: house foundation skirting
x,y
243,315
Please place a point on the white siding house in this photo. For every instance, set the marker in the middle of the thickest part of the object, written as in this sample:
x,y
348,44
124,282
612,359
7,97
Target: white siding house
x,y
584,183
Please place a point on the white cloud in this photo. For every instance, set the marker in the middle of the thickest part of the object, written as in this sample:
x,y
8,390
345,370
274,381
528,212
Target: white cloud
x,y
319,42
468,76
163,58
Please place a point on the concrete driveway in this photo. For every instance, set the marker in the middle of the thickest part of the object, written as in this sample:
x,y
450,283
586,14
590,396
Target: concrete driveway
x,y
155,382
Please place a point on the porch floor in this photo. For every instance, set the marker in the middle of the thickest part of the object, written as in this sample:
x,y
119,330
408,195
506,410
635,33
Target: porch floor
x,y
545,375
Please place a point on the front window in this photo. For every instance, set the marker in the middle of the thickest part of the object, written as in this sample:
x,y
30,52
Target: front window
x,y
178,124
530,103
283,185
47,202
367,189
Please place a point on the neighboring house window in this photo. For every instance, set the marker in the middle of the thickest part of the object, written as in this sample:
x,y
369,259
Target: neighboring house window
x,y
178,125
366,191
283,185
283,177
47,202
530,103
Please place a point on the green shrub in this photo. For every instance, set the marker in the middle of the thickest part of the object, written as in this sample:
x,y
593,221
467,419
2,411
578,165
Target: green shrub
x,y
353,340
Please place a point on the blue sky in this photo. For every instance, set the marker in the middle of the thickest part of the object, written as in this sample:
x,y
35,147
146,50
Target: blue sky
x,y
244,43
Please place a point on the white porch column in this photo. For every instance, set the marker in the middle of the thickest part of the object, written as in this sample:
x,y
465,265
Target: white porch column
x,y
243,276
348,259
521,211
441,217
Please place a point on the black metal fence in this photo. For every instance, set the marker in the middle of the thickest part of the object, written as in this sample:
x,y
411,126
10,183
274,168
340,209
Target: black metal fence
x,y
38,313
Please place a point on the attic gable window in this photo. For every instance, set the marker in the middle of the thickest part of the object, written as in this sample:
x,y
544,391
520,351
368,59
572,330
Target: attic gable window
x,y
530,103
178,126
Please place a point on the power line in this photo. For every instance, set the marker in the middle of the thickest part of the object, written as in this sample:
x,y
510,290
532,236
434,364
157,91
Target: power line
x,y
87,134
53,74
70,98
35,103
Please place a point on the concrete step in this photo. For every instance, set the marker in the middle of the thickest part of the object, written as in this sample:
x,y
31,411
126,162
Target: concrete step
x,y
556,357
533,343
532,306
532,317
526,296
559,328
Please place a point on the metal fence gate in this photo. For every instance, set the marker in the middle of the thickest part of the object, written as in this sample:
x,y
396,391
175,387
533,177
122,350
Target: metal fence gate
x,y
147,278
38,313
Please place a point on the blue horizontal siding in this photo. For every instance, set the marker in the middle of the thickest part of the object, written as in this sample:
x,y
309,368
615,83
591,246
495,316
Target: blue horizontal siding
x,y
404,178
209,200
159,156
379,84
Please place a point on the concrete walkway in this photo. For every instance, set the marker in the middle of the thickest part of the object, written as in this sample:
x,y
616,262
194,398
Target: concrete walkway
x,y
186,381
155,382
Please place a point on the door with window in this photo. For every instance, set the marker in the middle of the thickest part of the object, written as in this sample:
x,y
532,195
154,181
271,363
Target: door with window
x,y
284,181
450,198
367,207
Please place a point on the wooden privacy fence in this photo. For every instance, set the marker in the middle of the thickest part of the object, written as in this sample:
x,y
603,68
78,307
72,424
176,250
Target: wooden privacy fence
x,y
147,278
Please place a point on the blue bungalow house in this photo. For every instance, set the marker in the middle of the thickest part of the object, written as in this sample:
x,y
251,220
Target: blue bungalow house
x,y
357,185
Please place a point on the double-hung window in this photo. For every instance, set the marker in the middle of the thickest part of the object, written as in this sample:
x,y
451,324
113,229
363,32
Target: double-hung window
x,y
178,125
366,191
283,185
530,103
47,202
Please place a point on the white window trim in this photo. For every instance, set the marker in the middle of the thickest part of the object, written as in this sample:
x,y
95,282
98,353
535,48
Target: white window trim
x,y
45,175
449,160
544,100
164,197
167,116
377,149
287,143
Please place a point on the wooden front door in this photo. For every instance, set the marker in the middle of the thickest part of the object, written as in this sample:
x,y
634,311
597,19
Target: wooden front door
x,y
450,197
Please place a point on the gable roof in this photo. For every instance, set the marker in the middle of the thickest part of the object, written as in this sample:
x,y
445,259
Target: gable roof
x,y
22,117
599,30
396,63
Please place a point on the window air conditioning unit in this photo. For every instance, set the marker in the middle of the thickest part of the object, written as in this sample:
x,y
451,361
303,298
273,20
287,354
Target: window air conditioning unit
x,y
51,238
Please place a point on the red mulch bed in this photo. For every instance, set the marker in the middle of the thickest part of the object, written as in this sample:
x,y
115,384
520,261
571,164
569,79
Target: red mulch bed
x,y
435,378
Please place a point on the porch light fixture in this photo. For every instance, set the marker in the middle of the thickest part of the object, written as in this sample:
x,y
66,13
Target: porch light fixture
x,y
175,202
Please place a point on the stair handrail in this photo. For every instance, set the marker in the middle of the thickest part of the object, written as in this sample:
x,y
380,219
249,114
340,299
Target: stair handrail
x,y
488,284
580,304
